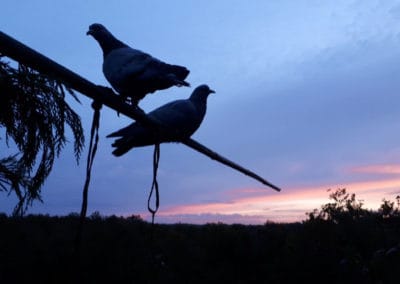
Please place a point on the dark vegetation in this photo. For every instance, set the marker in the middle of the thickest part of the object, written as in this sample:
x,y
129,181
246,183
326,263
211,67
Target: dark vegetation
x,y
339,243
34,116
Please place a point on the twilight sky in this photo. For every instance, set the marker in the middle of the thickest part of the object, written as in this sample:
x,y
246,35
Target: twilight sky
x,y
307,96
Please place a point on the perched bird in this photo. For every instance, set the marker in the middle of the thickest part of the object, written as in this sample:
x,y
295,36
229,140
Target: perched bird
x,y
177,120
131,72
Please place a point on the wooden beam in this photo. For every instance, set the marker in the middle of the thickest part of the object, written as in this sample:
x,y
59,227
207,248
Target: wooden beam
x,y
215,156
31,58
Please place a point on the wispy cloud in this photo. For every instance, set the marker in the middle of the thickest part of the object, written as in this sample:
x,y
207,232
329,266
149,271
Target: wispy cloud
x,y
377,169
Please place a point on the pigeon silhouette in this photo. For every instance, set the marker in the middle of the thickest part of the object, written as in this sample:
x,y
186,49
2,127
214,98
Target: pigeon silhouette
x,y
177,121
133,73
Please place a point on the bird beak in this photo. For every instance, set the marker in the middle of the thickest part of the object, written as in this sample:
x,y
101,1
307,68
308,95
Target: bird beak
x,y
89,32
212,91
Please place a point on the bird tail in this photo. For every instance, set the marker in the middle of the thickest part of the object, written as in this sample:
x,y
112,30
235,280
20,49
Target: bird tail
x,y
181,83
123,131
123,144
126,143
175,75
180,72
121,147
131,136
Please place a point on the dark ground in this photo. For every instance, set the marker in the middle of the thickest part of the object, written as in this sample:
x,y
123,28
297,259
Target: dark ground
x,y
40,249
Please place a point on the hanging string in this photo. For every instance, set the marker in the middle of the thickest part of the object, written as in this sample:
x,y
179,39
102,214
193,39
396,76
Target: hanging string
x,y
154,185
94,139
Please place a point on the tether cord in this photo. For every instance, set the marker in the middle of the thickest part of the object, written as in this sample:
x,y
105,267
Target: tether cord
x,y
94,139
154,185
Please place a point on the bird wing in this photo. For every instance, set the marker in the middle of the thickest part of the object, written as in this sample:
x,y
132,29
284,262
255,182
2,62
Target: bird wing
x,y
125,63
176,115
177,120
180,115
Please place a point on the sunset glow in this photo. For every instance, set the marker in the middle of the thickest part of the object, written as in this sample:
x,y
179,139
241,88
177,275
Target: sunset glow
x,y
256,205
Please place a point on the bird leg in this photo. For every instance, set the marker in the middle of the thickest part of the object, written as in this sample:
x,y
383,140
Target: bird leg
x,y
128,100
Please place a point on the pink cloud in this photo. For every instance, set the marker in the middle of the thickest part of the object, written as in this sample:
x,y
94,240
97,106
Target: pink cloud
x,y
387,169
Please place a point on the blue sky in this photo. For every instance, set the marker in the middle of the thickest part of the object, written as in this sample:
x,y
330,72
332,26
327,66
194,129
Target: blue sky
x,y
307,96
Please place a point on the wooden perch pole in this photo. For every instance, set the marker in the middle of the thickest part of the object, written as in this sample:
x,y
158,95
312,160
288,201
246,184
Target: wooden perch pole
x,y
215,156
29,57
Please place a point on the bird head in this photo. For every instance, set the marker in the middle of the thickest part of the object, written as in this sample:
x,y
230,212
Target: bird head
x,y
96,29
201,92
106,40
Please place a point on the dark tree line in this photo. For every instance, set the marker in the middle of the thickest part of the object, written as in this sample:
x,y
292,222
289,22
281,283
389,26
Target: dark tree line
x,y
33,117
340,245
345,207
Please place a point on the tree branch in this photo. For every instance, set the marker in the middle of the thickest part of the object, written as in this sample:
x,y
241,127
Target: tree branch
x,y
29,57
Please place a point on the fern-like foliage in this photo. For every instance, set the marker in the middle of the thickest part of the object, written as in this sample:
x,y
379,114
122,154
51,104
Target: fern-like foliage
x,y
34,115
